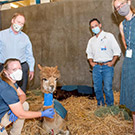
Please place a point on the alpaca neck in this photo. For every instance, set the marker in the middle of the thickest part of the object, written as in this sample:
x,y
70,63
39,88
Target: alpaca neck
x,y
48,99
48,103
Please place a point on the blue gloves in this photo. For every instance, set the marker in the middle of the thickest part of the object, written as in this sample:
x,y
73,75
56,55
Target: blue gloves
x,y
12,116
48,113
2,128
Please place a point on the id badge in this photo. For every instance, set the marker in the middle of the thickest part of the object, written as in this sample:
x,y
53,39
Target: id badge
x,y
129,53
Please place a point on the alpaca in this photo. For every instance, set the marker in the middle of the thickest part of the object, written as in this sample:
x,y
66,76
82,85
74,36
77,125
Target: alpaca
x,y
56,125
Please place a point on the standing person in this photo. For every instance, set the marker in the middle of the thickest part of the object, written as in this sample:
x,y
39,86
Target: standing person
x,y
16,44
127,30
13,107
102,53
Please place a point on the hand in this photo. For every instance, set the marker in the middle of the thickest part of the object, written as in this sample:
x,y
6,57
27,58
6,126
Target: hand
x,y
2,128
48,113
93,64
110,64
12,116
31,75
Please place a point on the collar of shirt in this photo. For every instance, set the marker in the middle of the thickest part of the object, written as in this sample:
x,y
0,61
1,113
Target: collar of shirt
x,y
101,36
11,31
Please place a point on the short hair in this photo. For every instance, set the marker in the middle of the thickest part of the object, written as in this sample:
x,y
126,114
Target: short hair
x,y
17,14
94,19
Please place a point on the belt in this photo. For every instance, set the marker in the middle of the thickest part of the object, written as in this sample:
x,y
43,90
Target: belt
x,y
101,64
23,62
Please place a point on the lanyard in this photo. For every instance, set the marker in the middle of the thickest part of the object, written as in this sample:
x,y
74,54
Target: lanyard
x,y
129,36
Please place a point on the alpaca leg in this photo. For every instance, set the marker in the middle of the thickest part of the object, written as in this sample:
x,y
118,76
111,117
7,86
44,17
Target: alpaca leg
x,y
62,132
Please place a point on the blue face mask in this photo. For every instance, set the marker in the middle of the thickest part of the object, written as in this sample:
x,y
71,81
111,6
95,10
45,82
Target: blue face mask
x,y
96,30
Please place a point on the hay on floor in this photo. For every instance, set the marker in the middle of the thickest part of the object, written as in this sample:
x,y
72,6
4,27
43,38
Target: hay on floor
x,y
81,117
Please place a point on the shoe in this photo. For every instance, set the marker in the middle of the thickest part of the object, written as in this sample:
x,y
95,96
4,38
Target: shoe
x,y
100,105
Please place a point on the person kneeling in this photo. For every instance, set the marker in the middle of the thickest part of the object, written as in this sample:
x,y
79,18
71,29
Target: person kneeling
x,y
13,107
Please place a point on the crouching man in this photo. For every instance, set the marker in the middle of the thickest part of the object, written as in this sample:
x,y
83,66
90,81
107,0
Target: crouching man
x,y
13,107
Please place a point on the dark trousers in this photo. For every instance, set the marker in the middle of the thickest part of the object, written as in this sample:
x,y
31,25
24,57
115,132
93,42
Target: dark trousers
x,y
23,83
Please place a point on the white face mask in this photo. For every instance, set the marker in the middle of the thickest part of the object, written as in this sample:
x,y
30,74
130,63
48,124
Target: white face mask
x,y
17,75
17,27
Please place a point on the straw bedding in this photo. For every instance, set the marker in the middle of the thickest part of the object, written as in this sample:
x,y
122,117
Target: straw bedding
x,y
82,116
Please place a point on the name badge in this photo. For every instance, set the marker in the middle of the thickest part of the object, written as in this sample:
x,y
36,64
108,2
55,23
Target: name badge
x,y
129,53
103,48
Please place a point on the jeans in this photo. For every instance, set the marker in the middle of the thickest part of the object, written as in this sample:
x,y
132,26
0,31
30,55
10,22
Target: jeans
x,y
103,75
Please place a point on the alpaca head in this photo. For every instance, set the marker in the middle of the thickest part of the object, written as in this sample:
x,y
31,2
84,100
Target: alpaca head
x,y
48,77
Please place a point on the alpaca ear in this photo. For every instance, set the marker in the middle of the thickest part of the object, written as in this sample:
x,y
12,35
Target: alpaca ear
x,y
40,67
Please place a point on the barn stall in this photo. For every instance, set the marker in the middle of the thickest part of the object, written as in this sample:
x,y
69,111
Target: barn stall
x,y
59,33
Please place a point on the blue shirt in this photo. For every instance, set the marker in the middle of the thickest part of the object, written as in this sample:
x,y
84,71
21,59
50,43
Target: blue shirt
x,y
16,46
8,96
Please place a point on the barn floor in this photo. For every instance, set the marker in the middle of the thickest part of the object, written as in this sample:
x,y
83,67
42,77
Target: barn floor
x,y
82,118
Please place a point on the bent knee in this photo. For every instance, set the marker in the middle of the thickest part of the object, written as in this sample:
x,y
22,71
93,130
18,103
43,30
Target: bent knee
x,y
26,106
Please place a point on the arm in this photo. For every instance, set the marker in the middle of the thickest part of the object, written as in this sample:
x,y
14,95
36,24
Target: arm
x,y
21,95
89,52
116,51
111,63
30,59
122,35
18,110
92,63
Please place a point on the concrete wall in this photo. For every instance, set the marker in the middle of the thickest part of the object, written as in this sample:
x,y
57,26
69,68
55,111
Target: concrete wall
x,y
59,32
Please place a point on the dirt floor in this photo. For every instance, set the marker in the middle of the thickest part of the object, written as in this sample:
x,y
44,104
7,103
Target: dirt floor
x,y
84,117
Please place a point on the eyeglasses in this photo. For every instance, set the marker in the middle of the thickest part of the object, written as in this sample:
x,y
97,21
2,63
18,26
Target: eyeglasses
x,y
121,5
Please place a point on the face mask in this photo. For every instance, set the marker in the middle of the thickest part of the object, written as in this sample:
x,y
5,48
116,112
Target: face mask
x,y
123,11
17,27
96,30
17,75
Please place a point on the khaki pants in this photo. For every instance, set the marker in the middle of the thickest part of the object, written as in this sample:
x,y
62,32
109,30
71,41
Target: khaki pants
x,y
17,125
